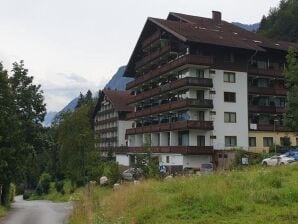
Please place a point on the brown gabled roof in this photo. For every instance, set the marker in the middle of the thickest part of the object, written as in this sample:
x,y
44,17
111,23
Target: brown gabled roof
x,y
119,99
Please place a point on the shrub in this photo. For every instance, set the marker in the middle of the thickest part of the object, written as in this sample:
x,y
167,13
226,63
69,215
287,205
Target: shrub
x,y
39,189
111,170
12,192
44,183
59,185
26,195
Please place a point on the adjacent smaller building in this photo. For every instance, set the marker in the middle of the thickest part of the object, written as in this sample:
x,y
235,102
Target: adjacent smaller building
x,y
110,123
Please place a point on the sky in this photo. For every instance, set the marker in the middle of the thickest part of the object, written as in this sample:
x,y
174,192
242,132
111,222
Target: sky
x,y
70,46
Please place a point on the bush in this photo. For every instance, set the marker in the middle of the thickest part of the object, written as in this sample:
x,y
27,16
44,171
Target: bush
x,y
111,171
59,185
12,192
44,184
26,195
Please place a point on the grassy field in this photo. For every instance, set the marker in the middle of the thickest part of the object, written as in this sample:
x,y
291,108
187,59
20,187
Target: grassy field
x,y
54,195
257,195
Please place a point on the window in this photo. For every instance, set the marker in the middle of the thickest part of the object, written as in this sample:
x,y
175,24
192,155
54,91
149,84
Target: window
x,y
230,141
168,138
212,112
229,77
167,159
201,140
252,141
230,97
267,141
201,115
285,141
183,139
219,155
211,72
230,117
200,73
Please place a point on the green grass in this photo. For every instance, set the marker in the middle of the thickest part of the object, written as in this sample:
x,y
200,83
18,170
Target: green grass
x,y
54,195
3,211
257,195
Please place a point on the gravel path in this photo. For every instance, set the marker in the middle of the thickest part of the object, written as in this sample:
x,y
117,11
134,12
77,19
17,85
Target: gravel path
x,y
37,212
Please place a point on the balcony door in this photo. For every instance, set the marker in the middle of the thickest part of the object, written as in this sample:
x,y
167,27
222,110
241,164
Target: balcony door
x,y
201,140
200,95
201,115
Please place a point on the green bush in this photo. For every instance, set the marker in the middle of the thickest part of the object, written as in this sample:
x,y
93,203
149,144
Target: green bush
x,y
26,195
44,183
111,171
59,185
12,192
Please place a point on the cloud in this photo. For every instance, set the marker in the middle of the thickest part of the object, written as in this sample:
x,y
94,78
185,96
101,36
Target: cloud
x,y
61,88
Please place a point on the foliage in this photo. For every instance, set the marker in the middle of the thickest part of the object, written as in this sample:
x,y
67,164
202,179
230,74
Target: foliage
x,y
43,186
111,171
282,22
59,185
291,73
255,195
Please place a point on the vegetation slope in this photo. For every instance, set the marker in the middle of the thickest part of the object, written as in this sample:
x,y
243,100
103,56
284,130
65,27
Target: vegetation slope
x,y
256,195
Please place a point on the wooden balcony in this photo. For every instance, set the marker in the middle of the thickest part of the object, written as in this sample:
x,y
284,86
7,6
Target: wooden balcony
x,y
105,112
185,103
184,60
191,150
153,56
267,91
154,37
105,130
113,119
174,126
265,72
270,127
108,139
266,109
188,81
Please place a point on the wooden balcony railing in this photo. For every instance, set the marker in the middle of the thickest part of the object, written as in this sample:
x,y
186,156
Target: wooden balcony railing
x,y
113,119
154,37
105,112
184,60
105,130
267,91
184,103
265,72
153,56
188,81
265,109
178,125
270,127
192,150
108,139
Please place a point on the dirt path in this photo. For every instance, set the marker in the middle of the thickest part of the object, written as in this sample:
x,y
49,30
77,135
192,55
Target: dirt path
x,y
37,212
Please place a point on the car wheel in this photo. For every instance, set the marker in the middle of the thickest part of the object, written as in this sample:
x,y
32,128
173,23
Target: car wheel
x,y
264,164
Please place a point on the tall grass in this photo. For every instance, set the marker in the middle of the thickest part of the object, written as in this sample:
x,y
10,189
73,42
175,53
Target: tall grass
x,y
256,195
3,211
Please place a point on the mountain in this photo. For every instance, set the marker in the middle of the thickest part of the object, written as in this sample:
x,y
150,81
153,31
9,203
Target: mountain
x,y
49,118
118,81
70,106
250,27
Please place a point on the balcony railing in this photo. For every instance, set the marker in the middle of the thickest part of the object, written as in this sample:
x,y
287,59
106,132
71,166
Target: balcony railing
x,y
178,125
185,103
154,37
105,130
184,60
113,119
270,127
108,139
267,91
265,72
265,109
153,56
105,112
193,150
188,81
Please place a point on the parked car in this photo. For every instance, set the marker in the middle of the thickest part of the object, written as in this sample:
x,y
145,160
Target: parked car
x,y
206,167
132,174
277,160
293,154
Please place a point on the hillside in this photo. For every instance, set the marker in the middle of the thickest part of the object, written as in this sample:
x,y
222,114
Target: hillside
x,y
250,27
118,81
257,195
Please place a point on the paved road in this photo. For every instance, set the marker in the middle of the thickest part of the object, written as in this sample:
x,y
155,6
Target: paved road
x,y
37,212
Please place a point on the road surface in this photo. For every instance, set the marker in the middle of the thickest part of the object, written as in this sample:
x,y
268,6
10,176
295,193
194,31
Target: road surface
x,y
37,212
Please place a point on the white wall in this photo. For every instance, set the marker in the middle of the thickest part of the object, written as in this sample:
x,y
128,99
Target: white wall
x,y
122,126
195,161
122,159
240,128
175,159
193,140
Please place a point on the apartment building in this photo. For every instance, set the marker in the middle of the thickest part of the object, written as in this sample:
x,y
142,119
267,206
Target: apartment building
x,y
202,85
110,122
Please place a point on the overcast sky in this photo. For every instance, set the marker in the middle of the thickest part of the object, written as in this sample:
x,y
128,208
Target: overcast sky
x,y
74,45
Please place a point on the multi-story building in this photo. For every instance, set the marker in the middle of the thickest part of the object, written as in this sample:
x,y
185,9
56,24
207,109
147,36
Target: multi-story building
x,y
110,122
202,85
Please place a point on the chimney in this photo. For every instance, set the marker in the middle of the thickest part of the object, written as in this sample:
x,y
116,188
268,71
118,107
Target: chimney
x,y
216,16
